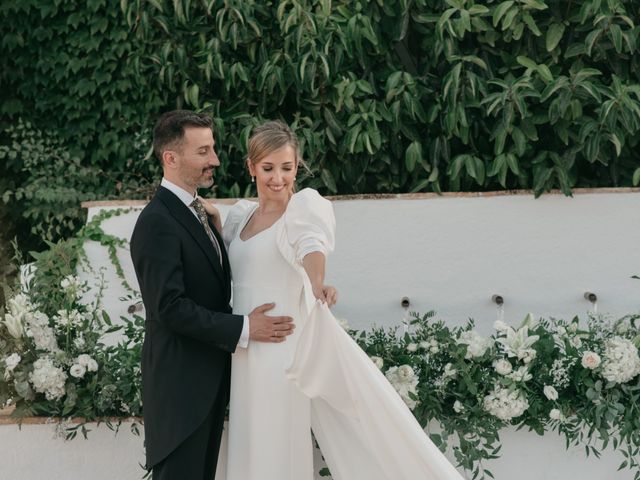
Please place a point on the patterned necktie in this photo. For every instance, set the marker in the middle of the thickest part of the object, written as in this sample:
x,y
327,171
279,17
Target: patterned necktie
x,y
202,216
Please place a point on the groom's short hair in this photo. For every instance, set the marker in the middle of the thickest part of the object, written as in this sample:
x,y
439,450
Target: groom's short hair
x,y
169,129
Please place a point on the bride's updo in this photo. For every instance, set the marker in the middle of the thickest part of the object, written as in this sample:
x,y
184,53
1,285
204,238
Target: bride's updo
x,y
269,137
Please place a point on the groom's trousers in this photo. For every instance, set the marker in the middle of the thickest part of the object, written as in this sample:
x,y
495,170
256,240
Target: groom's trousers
x,y
197,457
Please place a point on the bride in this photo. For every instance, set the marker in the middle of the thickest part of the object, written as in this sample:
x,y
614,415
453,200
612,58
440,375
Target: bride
x,y
319,379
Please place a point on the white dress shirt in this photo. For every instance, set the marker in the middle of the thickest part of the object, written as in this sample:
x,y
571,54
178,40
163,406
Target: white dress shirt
x,y
187,198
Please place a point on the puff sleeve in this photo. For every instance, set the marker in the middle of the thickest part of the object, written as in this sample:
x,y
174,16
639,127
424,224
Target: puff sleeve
x,y
309,226
235,218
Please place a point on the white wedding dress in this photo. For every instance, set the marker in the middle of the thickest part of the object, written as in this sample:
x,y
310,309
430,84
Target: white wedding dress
x,y
318,378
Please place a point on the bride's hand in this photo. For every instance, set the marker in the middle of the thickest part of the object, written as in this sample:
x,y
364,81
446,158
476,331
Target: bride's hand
x,y
326,293
212,212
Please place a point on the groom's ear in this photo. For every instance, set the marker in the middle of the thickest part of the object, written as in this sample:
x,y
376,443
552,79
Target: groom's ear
x,y
169,159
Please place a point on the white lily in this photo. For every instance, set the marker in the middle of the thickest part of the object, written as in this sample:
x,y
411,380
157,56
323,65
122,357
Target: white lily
x,y
518,343
14,325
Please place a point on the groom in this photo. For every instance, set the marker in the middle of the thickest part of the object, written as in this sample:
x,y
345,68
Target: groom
x,y
190,332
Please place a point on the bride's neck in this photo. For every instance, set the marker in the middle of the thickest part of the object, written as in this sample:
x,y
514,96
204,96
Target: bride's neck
x,y
272,206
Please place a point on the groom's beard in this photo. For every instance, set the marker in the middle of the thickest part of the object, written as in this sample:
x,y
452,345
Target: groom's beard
x,y
205,180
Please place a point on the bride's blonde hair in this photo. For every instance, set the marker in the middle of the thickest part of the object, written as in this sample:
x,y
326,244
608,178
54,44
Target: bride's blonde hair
x,y
269,137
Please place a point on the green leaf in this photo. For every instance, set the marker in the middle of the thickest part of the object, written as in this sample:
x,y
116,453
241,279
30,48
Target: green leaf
x,y
636,177
512,161
616,36
526,62
545,73
478,10
554,35
413,155
328,180
531,23
617,143
500,10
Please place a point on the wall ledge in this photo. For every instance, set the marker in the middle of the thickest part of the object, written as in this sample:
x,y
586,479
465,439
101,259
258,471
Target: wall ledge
x,y
393,196
7,419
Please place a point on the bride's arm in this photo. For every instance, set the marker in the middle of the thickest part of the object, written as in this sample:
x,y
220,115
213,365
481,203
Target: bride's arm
x,y
314,264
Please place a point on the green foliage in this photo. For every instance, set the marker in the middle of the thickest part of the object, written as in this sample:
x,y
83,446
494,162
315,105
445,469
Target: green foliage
x,y
451,376
58,318
392,96
46,184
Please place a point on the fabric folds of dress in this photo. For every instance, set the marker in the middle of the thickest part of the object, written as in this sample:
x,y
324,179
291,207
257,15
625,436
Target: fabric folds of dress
x,y
363,427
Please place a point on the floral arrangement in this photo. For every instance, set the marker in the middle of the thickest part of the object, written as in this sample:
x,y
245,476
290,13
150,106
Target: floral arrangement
x,y
581,381
54,361
55,364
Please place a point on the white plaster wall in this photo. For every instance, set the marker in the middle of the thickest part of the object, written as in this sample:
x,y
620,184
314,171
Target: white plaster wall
x,y
451,254
34,453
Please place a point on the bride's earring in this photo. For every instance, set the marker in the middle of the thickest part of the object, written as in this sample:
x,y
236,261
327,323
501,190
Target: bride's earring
x,y
253,179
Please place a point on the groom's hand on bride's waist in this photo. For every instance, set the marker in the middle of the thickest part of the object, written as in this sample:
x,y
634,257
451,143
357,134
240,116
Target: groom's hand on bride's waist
x,y
264,328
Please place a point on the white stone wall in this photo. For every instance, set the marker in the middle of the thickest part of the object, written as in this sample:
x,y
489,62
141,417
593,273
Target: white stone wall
x,y
34,453
452,253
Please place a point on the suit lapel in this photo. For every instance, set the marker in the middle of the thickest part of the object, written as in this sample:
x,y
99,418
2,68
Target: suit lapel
x,y
188,220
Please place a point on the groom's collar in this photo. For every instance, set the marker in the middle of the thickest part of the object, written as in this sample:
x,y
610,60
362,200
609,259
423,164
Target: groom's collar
x,y
184,196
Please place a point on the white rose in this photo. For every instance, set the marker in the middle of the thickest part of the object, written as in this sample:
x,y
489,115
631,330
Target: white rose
x,y
503,366
590,360
572,327
576,342
412,347
86,361
77,371
83,359
406,373
476,344
377,361
458,407
92,366
550,392
555,414
434,349
424,345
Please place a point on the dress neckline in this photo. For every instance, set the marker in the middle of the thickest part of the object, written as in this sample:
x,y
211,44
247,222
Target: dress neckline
x,y
248,219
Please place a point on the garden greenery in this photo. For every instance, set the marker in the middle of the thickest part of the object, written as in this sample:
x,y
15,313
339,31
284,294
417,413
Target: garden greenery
x,y
386,96
581,380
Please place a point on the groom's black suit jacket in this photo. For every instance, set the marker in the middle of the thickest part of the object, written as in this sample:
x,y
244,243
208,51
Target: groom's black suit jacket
x,y
190,331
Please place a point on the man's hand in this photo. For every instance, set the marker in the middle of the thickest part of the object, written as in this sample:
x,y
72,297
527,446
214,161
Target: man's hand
x,y
263,328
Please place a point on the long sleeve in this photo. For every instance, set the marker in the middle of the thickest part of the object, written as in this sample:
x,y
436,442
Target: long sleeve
x,y
156,254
